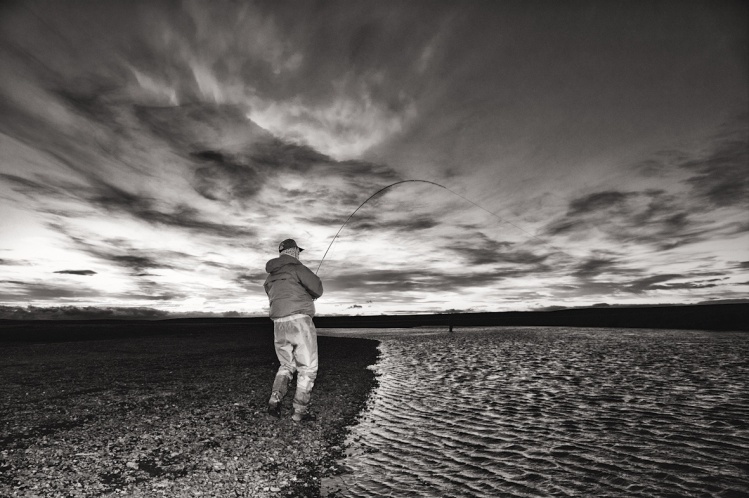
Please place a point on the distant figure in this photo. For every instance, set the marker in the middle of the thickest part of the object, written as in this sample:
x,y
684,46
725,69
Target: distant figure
x,y
291,289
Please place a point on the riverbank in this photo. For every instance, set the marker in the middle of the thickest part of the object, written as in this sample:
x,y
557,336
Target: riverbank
x,y
174,414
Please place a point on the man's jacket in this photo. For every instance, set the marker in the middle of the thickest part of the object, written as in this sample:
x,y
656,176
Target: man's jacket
x,y
291,286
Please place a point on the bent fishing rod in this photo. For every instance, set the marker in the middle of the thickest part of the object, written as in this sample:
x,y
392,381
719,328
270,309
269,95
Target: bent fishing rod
x,y
418,181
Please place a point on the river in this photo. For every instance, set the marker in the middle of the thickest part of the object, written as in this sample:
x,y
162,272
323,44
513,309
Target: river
x,y
544,411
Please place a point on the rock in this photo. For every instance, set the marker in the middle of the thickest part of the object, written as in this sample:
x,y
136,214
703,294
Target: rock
x,y
132,465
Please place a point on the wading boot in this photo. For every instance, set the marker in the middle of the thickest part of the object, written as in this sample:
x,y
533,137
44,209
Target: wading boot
x,y
304,417
274,405
301,402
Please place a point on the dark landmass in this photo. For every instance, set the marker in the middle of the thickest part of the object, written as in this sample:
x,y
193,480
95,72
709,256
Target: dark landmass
x,y
146,414
702,317
733,317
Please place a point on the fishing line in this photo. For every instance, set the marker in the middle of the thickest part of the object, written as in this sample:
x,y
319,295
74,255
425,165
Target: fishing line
x,y
419,181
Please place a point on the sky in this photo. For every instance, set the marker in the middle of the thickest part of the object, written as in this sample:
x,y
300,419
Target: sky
x,y
154,154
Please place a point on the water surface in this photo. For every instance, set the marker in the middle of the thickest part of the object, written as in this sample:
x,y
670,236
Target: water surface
x,y
534,411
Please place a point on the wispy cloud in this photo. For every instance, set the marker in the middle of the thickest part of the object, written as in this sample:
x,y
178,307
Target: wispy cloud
x,y
655,216
15,291
664,282
719,175
77,272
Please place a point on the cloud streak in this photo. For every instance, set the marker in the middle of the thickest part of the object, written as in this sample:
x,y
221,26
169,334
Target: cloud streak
x,y
77,272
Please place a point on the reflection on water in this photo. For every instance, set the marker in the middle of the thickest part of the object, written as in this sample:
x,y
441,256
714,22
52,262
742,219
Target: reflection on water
x,y
552,412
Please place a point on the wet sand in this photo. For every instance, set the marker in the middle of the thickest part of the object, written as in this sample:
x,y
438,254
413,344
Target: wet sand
x,y
167,410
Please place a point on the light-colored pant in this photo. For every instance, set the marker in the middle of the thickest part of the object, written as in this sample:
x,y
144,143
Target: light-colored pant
x,y
296,348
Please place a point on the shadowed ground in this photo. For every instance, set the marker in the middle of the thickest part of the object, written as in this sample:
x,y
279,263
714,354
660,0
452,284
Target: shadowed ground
x,y
176,413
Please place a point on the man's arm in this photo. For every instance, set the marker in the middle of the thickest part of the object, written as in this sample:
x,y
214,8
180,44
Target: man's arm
x,y
310,281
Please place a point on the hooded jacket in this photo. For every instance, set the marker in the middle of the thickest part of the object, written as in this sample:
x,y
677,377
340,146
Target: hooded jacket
x,y
291,287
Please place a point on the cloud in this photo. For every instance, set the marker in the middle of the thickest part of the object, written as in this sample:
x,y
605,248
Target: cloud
x,y
372,222
31,188
114,199
77,272
595,266
129,258
13,262
339,80
651,217
14,291
720,174
664,215
394,283
251,281
657,282
222,180
197,127
478,249
599,201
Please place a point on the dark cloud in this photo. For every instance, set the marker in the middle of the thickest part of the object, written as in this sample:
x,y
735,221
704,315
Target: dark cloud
x,y
136,263
238,167
77,272
662,219
188,218
371,222
31,188
478,249
651,217
13,262
117,200
371,283
596,266
251,281
162,296
17,291
222,179
198,127
721,176
120,253
599,201
280,155
114,199
658,282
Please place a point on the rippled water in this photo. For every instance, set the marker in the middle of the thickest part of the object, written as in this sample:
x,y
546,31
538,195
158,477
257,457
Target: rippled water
x,y
552,412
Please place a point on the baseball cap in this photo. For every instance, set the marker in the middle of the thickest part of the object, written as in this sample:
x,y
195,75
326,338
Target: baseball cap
x,y
288,244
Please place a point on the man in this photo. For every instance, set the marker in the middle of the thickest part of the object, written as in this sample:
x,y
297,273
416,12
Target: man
x,y
291,289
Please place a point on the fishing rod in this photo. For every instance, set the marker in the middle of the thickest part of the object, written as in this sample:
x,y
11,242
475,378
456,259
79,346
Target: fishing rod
x,y
418,181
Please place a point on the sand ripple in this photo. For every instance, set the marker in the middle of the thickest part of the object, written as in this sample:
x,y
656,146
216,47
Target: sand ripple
x,y
554,412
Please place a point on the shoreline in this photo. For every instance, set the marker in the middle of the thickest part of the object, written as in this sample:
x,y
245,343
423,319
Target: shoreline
x,y
180,413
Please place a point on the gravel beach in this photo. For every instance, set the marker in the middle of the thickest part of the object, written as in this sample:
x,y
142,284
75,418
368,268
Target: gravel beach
x,y
177,412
